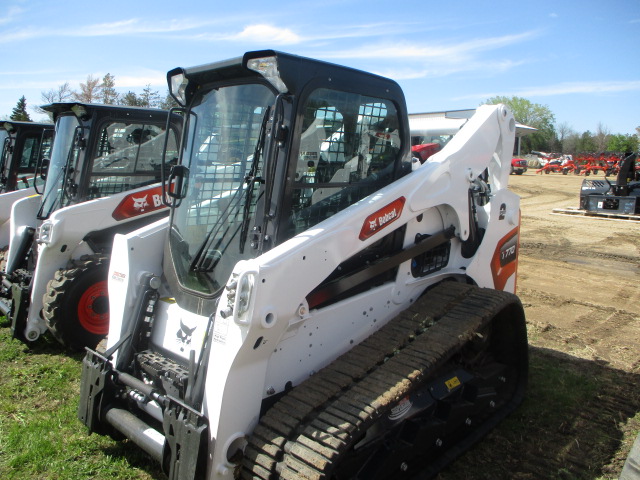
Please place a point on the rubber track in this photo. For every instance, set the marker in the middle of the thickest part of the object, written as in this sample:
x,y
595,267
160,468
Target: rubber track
x,y
308,430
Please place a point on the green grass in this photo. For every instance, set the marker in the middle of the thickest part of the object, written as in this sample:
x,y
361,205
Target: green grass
x,y
578,421
40,435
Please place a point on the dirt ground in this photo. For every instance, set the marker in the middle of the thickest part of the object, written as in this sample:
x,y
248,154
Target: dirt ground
x,y
579,281
578,277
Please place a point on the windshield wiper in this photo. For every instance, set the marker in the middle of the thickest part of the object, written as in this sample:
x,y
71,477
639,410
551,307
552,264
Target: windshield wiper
x,y
251,180
45,199
203,261
208,254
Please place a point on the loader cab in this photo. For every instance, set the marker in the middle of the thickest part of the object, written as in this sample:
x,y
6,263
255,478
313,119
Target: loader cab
x,y
22,146
273,145
102,150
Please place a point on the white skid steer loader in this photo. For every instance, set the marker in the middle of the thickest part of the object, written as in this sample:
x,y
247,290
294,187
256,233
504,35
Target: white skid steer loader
x,y
103,178
319,304
22,145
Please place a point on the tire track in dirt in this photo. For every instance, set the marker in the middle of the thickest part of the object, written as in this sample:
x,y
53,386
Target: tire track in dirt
x,y
531,297
549,252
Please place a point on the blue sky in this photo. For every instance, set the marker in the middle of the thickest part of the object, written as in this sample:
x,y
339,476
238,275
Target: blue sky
x,y
580,58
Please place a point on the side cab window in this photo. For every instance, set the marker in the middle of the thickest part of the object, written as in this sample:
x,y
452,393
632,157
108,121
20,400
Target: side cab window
x,y
349,146
128,156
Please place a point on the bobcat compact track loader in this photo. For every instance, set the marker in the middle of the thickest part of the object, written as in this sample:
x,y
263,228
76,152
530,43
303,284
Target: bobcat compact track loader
x,y
102,179
21,146
317,305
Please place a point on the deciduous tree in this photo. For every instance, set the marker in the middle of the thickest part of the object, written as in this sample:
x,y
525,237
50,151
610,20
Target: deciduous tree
x,y
563,133
534,115
586,143
623,143
61,94
601,137
89,91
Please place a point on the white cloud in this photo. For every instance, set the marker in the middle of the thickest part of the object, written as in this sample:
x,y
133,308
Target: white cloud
x,y
267,34
153,78
136,26
568,88
437,70
131,26
583,87
10,14
446,52
271,34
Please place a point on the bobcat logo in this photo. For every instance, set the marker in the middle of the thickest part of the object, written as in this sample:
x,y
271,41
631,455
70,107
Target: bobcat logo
x,y
184,335
140,203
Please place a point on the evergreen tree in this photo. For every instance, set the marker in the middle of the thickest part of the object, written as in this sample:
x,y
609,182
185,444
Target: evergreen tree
x,y
130,99
149,98
168,102
108,94
19,113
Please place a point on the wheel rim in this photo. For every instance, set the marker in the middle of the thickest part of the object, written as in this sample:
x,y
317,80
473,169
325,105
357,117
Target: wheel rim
x,y
93,309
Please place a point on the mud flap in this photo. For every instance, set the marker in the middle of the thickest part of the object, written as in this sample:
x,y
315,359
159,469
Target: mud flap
x,y
185,447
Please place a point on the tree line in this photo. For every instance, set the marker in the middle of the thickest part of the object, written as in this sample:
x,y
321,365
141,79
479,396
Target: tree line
x,y
95,90
561,138
549,137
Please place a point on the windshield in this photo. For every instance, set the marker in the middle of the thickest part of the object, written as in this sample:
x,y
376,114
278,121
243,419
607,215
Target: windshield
x,y
64,150
5,142
208,231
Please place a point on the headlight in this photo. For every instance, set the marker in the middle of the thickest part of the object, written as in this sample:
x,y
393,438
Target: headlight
x,y
240,288
44,233
79,111
268,68
245,289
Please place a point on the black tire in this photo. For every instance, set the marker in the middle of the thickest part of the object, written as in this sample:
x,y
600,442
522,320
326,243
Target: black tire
x,y
76,304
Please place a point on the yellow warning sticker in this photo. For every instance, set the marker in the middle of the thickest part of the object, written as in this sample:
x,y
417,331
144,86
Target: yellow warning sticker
x,y
452,383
